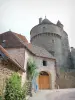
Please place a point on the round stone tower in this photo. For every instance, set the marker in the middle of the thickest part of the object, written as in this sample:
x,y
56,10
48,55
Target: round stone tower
x,y
48,35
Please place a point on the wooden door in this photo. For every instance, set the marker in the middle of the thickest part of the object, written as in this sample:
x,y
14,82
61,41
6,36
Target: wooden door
x,y
44,82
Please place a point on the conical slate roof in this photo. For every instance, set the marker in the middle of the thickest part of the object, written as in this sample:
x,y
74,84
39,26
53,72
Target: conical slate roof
x,y
46,21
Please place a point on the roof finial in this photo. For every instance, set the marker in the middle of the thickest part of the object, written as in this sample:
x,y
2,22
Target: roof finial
x,y
45,16
9,29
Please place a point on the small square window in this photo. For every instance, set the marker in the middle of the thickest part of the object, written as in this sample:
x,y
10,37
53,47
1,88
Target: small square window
x,y
0,56
44,63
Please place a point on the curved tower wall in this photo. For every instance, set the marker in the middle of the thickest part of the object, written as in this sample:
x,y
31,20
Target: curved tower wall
x,y
65,50
41,28
48,36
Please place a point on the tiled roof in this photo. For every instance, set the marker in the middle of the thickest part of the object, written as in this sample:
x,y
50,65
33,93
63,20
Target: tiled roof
x,y
10,58
13,40
39,51
23,38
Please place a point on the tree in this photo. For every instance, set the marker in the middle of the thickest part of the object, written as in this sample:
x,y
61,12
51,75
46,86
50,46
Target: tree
x,y
31,72
31,69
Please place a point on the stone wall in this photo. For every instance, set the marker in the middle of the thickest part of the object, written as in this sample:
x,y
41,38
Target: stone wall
x,y
66,79
6,69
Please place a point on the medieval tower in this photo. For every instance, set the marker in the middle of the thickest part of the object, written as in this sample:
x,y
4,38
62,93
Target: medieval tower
x,y
54,39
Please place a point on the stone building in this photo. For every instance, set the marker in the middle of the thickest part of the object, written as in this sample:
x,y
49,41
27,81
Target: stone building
x,y
20,50
50,50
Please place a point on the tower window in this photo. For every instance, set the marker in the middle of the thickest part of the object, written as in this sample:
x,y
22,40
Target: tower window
x,y
52,41
44,28
44,63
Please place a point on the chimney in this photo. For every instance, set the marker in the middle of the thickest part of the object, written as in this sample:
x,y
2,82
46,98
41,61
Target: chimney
x,y
40,20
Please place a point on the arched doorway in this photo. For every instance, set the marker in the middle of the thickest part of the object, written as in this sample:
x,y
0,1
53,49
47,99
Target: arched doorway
x,y
44,80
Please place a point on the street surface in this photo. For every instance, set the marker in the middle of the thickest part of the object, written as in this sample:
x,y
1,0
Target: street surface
x,y
60,94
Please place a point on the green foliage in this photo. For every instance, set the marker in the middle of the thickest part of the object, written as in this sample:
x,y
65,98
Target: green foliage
x,y
0,98
31,69
24,90
13,90
31,73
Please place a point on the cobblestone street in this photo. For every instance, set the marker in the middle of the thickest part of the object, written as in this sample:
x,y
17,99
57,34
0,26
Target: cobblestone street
x,y
61,94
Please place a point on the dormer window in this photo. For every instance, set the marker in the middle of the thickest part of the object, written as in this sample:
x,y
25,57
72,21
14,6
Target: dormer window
x,y
44,63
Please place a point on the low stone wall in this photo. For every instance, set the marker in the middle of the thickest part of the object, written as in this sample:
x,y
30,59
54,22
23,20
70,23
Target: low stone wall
x,y
66,80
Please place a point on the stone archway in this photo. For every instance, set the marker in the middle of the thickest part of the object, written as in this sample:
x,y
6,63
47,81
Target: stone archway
x,y
44,80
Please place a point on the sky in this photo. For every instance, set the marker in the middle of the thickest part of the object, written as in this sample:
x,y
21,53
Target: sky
x,y
21,15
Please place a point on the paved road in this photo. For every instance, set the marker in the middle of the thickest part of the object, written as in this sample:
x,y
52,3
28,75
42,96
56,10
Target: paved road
x,y
61,94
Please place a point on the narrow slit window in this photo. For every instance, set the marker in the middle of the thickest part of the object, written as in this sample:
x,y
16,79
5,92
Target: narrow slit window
x,y
44,28
52,41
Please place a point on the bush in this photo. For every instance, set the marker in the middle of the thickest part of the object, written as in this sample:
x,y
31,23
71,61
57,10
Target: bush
x,y
0,97
13,90
25,91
